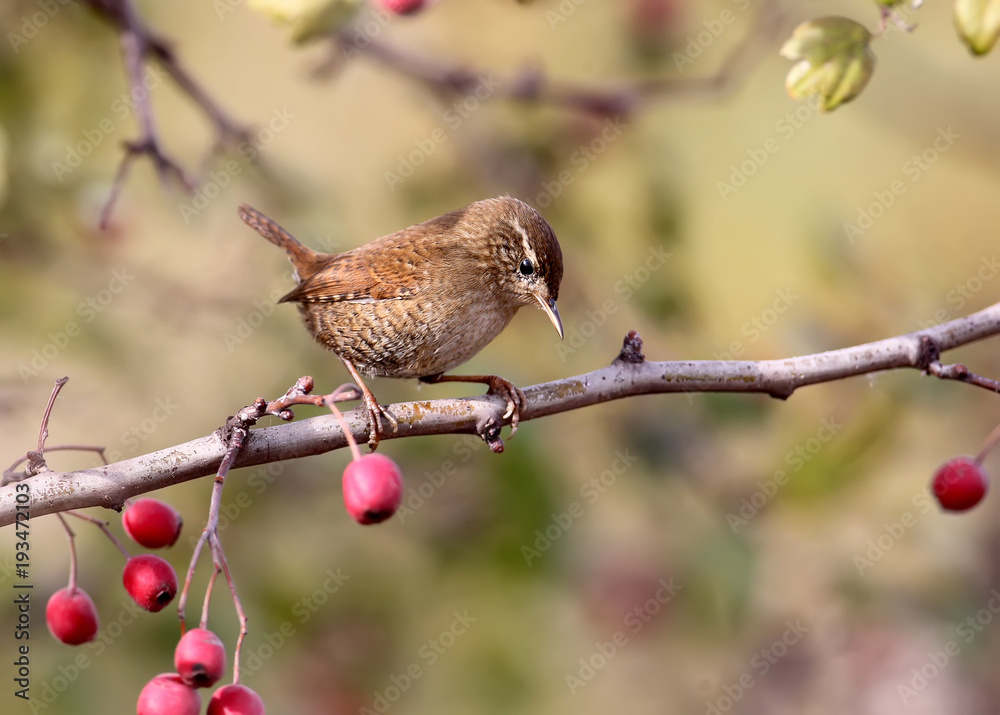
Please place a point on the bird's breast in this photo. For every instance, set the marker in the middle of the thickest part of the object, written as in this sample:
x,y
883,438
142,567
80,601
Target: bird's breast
x,y
409,337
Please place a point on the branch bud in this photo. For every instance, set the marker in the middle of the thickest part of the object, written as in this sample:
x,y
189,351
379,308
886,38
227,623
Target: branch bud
x,y
833,60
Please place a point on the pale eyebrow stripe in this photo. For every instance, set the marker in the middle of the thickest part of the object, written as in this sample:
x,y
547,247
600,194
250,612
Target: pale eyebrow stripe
x,y
524,241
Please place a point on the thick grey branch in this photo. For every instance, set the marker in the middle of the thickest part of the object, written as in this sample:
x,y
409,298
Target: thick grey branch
x,y
111,484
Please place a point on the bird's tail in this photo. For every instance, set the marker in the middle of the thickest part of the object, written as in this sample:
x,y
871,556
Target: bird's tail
x,y
305,260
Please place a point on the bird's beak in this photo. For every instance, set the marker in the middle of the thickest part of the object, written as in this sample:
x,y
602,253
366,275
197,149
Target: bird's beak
x,y
549,306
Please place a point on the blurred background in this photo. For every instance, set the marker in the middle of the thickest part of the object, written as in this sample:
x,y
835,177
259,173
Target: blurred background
x,y
680,554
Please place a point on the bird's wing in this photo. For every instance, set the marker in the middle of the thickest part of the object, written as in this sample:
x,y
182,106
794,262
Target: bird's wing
x,y
378,271
393,267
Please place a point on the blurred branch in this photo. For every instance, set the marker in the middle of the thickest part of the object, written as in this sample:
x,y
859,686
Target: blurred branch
x,y
628,376
530,86
138,44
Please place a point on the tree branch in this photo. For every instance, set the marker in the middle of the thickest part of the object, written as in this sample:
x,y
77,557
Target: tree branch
x,y
629,375
138,44
530,86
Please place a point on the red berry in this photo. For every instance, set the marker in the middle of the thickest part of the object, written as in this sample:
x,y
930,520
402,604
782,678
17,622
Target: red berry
x,y
200,658
72,616
150,581
235,700
373,488
166,694
405,7
960,484
655,13
152,523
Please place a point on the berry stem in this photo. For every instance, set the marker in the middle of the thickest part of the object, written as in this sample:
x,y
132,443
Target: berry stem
x,y
195,555
208,597
988,445
72,553
329,402
212,524
221,563
958,371
240,429
103,526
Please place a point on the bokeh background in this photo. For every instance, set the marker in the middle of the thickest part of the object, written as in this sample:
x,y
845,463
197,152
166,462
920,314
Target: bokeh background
x,y
784,557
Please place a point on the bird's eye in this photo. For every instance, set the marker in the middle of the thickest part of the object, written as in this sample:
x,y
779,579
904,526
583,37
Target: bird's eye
x,y
526,268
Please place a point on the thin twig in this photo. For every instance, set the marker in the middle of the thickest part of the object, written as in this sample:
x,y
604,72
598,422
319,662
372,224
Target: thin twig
x,y
298,394
135,46
228,130
989,444
98,449
958,371
352,443
238,428
43,430
241,615
72,553
208,597
36,458
530,86
9,474
103,526
195,555
138,44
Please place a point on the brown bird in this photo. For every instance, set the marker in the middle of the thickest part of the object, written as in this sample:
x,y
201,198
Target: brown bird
x,y
423,300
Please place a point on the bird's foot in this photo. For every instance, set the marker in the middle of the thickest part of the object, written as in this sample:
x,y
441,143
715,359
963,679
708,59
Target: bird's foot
x,y
375,414
510,392
375,411
500,387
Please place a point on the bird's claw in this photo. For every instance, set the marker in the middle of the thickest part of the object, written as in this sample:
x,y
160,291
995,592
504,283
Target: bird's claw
x,y
375,414
514,397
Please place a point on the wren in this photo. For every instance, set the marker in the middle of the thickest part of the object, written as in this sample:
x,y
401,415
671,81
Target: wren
x,y
422,301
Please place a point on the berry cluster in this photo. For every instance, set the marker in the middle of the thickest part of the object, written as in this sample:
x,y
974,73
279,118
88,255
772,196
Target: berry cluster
x,y
200,657
148,579
373,490
200,661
